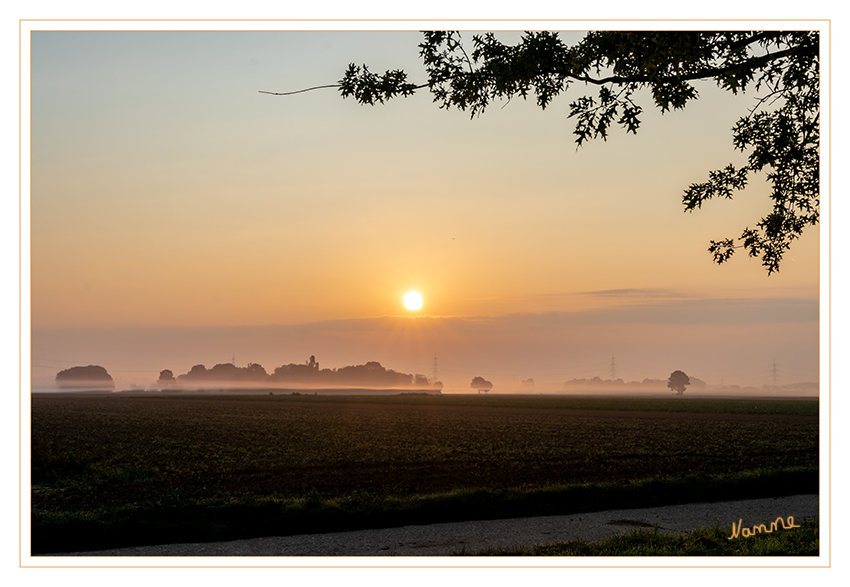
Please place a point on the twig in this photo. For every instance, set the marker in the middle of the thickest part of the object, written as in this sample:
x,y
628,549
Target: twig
x,y
299,91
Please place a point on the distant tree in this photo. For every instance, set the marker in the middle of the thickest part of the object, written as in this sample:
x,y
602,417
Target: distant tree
x,y
91,376
420,381
166,378
224,372
481,384
780,132
372,374
296,373
255,372
196,374
698,382
678,381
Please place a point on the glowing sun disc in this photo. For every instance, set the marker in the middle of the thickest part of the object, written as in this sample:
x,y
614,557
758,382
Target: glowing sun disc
x,y
412,300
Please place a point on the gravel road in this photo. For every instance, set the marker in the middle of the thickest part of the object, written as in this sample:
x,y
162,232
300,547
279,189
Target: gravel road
x,y
471,537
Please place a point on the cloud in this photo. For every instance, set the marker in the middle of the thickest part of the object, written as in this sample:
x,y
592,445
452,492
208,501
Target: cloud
x,y
716,311
636,293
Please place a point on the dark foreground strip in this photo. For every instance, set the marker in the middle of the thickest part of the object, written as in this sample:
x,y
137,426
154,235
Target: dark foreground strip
x,y
209,522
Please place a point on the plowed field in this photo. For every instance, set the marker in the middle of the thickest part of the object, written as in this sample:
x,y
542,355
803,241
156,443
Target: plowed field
x,y
114,450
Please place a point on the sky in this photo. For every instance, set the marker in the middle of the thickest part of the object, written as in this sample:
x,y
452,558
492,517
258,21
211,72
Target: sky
x,y
179,216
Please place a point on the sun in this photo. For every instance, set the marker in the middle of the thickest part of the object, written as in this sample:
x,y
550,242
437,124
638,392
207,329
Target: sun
x,y
412,300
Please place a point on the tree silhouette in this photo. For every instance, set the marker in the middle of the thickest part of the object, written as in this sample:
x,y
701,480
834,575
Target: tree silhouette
x,y
678,381
481,384
254,372
166,378
780,132
421,381
90,376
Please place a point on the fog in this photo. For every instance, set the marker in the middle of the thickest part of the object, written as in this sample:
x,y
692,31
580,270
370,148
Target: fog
x,y
750,344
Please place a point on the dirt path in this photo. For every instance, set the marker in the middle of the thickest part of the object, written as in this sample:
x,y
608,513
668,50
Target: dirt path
x,y
471,537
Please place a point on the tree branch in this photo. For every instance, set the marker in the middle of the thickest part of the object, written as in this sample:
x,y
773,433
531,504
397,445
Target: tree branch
x,y
754,63
300,91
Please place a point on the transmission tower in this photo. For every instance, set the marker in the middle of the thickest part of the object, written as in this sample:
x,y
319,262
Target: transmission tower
x,y
613,368
436,374
775,373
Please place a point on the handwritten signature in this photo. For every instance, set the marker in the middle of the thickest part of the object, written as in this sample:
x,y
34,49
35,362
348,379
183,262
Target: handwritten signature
x,y
761,528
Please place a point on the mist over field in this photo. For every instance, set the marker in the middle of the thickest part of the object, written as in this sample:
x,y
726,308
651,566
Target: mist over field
x,y
722,343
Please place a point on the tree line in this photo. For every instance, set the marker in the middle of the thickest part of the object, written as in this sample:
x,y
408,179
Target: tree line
x,y
370,374
645,384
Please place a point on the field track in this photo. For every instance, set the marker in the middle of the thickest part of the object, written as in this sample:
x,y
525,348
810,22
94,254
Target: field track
x,y
472,537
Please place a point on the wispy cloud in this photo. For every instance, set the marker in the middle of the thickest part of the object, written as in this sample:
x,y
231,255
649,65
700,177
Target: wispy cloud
x,y
636,293
711,311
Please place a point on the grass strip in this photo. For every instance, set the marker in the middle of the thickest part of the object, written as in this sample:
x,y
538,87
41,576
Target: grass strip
x,y
183,521
713,541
